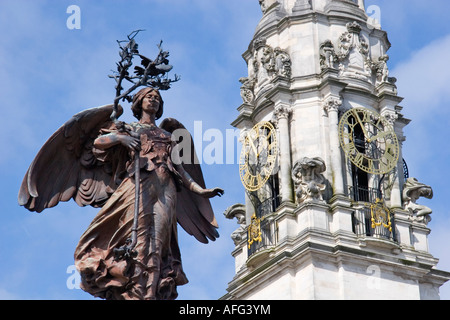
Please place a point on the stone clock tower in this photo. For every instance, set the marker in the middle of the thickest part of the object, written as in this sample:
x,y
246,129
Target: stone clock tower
x,y
330,210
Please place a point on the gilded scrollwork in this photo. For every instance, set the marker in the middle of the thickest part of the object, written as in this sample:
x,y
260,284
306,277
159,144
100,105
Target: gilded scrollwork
x,y
254,231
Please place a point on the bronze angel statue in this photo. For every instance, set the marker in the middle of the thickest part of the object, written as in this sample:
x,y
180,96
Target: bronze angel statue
x,y
107,164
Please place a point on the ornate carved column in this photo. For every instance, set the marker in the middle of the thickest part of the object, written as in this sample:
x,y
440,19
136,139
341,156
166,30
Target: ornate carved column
x,y
281,118
332,106
396,193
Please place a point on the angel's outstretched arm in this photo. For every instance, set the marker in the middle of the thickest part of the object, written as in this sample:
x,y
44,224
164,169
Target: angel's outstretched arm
x,y
190,184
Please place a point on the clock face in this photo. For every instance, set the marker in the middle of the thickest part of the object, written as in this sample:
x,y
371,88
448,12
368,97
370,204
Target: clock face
x,y
258,157
369,141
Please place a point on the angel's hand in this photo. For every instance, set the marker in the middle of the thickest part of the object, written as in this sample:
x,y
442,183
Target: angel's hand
x,y
132,143
211,193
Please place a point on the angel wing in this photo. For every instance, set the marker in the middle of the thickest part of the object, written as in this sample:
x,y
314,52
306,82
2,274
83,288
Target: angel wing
x,y
194,213
66,168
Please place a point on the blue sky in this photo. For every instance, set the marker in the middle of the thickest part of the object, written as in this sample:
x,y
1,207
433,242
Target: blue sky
x,y
48,73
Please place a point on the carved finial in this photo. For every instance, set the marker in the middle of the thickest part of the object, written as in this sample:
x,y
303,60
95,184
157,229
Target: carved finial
x,y
262,3
354,27
259,43
268,5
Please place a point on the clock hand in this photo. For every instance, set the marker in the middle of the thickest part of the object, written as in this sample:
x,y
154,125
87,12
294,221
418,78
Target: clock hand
x,y
253,145
263,147
366,135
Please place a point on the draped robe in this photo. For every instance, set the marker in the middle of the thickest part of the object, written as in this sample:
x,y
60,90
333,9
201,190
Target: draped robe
x,y
156,271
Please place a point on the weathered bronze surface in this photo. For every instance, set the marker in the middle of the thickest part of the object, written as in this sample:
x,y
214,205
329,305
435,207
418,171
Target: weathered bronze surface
x,y
134,173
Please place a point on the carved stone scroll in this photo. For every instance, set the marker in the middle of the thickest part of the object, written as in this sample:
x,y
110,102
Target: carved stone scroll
x,y
247,88
412,191
237,211
309,181
269,63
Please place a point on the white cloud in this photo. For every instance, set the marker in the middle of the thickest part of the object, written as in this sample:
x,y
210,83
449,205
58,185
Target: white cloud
x,y
423,80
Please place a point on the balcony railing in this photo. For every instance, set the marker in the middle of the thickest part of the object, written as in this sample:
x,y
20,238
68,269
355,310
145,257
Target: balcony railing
x,y
371,218
363,225
261,231
367,222
364,194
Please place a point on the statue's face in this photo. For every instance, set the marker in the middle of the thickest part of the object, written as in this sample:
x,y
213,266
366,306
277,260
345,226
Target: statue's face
x,y
151,102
